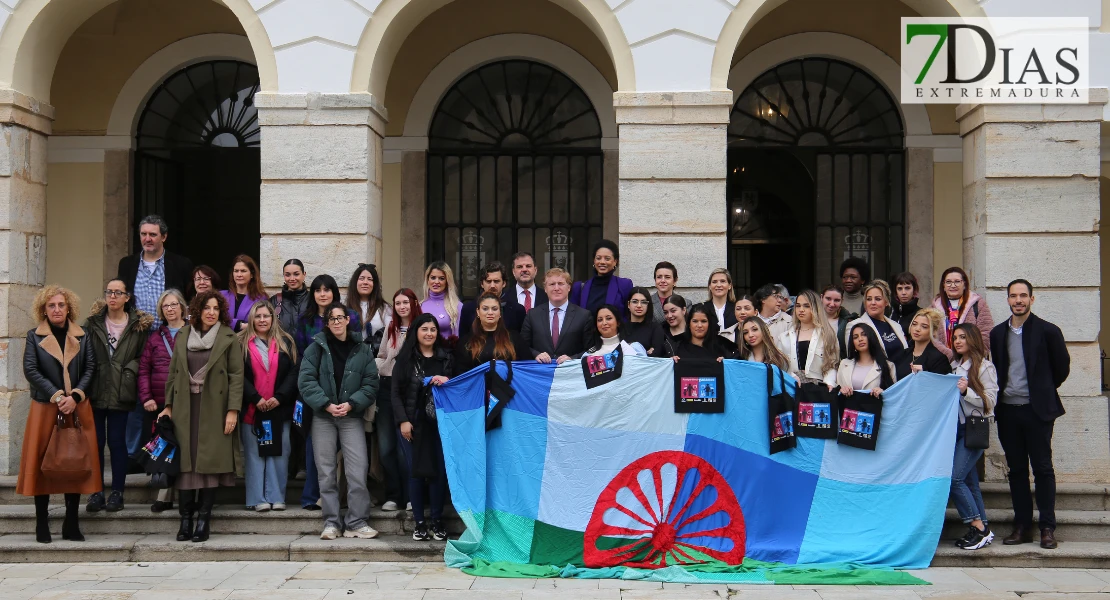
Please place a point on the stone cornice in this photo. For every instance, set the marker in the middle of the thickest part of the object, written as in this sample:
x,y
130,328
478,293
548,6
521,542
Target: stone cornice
x,y
315,108
23,110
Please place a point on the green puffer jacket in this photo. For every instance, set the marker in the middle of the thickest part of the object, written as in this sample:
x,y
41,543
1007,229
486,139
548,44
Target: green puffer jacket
x,y
116,380
317,376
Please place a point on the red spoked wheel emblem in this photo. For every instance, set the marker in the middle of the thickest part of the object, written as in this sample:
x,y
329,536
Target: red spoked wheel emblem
x,y
666,508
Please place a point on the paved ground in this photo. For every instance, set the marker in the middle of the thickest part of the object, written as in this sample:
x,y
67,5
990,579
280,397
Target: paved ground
x,y
415,581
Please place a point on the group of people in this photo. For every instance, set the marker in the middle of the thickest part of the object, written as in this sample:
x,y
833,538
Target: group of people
x,y
347,372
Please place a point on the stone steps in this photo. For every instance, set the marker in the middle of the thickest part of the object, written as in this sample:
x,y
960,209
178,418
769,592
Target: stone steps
x,y
1069,496
1072,555
22,548
1071,525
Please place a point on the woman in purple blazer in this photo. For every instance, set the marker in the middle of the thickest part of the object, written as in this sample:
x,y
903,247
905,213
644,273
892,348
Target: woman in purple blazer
x,y
244,288
604,287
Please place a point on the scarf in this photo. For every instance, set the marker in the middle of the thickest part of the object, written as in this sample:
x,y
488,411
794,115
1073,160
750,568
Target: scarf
x,y
265,374
199,342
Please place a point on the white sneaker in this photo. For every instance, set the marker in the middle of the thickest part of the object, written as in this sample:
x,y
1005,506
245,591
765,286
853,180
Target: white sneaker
x,y
408,506
278,506
363,533
262,507
389,506
330,533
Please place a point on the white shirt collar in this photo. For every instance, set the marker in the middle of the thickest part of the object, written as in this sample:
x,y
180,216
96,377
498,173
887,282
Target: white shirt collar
x,y
562,307
1010,323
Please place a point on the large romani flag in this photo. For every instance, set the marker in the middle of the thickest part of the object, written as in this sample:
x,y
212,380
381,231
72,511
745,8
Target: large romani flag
x,y
611,482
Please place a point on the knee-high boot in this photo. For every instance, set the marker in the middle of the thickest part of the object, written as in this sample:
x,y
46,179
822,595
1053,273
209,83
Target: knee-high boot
x,y
187,505
204,515
42,523
70,529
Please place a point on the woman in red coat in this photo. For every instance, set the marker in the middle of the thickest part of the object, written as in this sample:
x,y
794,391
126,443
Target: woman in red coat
x,y
154,368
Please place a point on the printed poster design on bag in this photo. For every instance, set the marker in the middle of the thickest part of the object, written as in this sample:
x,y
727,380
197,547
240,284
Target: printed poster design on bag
x,y
858,422
699,389
816,415
784,426
298,412
267,437
599,370
155,447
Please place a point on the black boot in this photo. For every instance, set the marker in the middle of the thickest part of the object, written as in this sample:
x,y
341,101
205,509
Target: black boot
x,y
204,515
70,529
42,524
186,506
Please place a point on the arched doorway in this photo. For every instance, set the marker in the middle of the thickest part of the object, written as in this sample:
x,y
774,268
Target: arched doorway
x,y
816,174
514,164
198,161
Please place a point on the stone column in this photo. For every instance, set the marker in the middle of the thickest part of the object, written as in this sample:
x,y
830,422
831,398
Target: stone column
x,y
1031,210
321,197
672,167
24,125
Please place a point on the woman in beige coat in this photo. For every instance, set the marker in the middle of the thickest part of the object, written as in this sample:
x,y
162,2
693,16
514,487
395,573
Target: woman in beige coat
x,y
204,393
866,367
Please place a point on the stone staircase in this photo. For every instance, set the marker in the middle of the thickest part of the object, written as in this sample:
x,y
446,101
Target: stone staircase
x,y
136,534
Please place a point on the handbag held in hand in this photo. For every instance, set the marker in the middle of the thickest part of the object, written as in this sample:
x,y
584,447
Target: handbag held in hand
x,y
67,455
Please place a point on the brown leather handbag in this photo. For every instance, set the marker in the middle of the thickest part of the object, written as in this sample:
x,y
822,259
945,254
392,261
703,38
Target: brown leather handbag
x,y
67,455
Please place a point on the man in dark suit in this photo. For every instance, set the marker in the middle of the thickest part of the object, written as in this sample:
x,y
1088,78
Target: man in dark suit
x,y
148,274
1032,361
161,270
556,330
525,293
493,282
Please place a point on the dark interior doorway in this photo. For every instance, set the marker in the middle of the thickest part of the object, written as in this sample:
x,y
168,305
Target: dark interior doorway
x,y
198,162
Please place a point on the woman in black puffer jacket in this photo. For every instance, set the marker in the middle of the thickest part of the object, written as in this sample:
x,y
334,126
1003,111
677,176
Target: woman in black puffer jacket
x,y
422,356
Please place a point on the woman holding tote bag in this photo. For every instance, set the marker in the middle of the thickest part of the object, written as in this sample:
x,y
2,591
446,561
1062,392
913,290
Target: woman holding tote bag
x,y
58,363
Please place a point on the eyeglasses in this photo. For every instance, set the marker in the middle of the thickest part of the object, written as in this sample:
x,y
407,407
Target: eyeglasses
x,y
639,302
114,293
953,283
169,305
202,278
334,320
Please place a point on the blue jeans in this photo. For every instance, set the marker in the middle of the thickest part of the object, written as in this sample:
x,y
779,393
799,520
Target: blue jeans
x,y
265,476
437,488
965,481
134,435
311,492
396,477
111,427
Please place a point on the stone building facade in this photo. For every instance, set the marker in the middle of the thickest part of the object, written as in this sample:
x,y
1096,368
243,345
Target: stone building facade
x,y
403,131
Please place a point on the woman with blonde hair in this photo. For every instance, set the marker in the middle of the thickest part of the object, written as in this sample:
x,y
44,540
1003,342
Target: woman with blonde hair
x,y
722,297
441,300
876,299
978,387
810,344
269,392
154,370
756,344
58,362
924,355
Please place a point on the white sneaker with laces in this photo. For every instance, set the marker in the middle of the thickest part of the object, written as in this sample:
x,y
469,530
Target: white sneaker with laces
x,y
408,506
330,533
261,507
363,533
279,506
389,506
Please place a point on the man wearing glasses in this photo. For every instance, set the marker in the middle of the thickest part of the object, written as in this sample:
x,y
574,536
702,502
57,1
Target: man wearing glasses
x,y
148,274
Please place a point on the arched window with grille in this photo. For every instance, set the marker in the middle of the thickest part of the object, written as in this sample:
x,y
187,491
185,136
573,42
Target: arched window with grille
x,y
514,164
816,174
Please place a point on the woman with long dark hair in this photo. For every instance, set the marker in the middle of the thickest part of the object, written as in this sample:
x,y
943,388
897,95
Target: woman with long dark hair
x,y
701,340
604,287
364,297
489,339
978,387
755,344
876,300
406,307
958,304
422,356
607,334
743,308
244,290
866,367
674,324
642,327
291,302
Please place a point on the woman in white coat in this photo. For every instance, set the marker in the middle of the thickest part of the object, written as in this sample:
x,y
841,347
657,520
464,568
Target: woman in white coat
x,y
866,367
810,343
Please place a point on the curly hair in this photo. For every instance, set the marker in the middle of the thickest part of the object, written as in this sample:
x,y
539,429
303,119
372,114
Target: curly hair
x,y
73,302
196,307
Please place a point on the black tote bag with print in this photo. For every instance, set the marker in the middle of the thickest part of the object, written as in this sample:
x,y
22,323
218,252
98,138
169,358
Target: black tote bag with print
x,y
860,418
781,415
817,412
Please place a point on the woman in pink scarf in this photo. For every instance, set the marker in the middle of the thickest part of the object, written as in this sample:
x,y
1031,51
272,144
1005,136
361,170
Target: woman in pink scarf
x,y
269,392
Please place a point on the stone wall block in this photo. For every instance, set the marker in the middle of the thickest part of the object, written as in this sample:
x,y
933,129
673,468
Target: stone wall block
x,y
1031,205
672,206
1046,260
22,205
414,167
1058,306
695,256
1080,452
1041,149
318,152
22,154
11,376
673,115
919,214
333,254
1085,376
672,151
22,257
14,406
15,314
336,208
